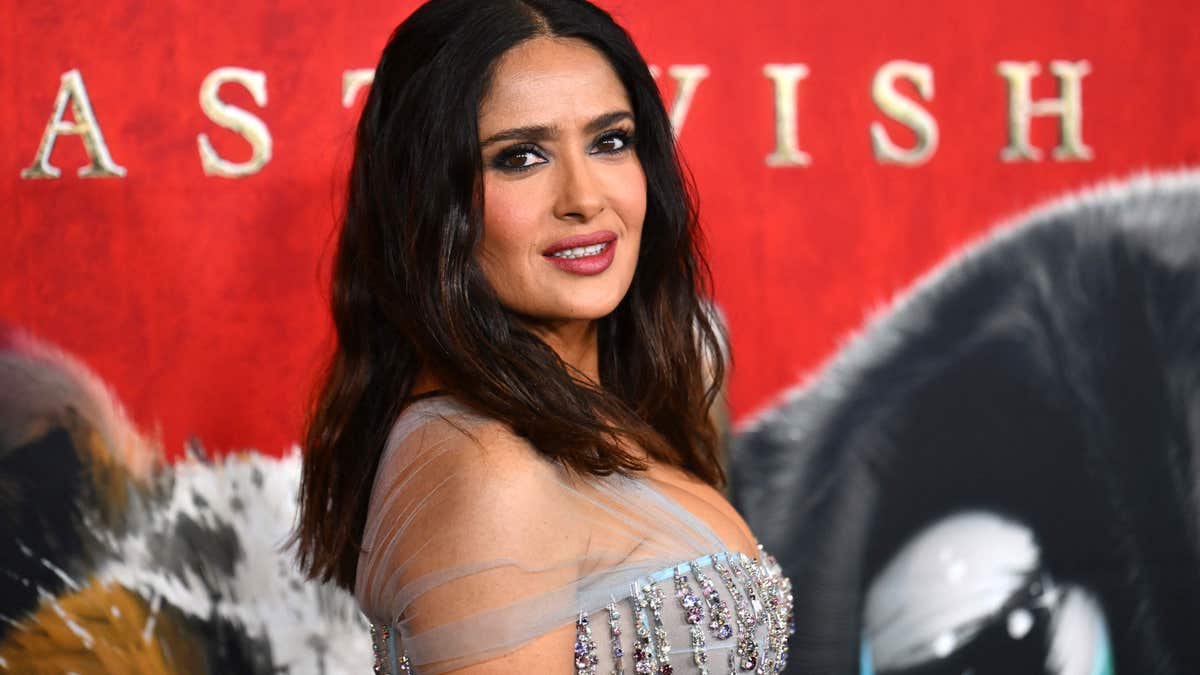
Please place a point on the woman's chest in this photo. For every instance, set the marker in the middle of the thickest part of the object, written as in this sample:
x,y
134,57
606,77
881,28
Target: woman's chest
x,y
705,504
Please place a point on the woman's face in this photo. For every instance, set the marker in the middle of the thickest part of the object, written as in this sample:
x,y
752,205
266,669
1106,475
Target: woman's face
x,y
563,191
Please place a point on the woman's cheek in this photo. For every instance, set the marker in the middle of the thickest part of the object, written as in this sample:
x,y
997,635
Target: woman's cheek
x,y
628,189
508,216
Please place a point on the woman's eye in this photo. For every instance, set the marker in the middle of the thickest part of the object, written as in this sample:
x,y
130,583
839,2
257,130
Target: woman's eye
x,y
518,158
613,142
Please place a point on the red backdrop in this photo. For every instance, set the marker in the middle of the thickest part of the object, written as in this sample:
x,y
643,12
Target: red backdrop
x,y
200,299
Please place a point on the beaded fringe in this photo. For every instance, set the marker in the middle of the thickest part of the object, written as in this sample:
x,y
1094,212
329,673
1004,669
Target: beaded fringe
x,y
759,599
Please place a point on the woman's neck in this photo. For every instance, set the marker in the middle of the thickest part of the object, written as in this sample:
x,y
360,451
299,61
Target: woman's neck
x,y
575,342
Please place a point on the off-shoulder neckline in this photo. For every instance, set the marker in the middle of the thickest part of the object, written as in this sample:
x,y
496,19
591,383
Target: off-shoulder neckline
x,y
435,396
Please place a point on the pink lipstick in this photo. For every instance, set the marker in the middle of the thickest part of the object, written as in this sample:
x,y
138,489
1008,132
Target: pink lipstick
x,y
584,254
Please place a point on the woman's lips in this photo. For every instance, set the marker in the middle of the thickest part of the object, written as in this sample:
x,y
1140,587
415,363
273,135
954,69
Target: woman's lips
x,y
581,247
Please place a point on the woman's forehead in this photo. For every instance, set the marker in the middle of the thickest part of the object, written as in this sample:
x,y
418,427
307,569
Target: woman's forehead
x,y
551,82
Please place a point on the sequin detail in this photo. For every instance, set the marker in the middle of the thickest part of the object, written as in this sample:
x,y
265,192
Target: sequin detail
x,y
643,662
379,647
777,593
585,647
693,615
751,604
380,636
718,609
652,598
746,649
614,636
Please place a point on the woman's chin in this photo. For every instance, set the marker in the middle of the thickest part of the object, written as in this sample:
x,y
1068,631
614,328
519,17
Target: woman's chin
x,y
598,309
574,304
574,312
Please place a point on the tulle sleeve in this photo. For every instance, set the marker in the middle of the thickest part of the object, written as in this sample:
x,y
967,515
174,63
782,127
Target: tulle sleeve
x,y
475,544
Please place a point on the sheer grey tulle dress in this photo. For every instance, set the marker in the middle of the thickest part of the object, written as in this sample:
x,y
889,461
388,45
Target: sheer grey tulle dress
x,y
475,545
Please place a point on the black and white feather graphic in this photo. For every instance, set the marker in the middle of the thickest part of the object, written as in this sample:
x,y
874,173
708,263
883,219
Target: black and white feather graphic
x,y
116,561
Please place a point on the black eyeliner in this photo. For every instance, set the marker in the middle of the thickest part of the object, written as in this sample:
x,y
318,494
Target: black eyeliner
x,y
513,151
627,139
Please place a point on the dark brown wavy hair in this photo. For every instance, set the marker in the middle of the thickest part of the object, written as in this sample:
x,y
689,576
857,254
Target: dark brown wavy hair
x,y
407,292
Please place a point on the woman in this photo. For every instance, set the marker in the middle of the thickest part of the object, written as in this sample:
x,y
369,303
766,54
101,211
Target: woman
x,y
511,461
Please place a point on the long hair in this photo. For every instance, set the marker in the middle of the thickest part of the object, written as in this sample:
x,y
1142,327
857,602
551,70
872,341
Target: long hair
x,y
407,292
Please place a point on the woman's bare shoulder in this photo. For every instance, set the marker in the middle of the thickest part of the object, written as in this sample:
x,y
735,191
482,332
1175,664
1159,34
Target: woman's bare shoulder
x,y
466,440
479,489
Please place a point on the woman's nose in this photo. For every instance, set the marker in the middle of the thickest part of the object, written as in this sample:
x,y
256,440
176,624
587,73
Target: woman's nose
x,y
580,196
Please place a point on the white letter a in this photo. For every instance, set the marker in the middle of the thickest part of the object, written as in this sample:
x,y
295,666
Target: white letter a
x,y
85,126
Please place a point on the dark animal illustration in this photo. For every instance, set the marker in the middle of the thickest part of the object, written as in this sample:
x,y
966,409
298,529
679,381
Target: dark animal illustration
x,y
1000,473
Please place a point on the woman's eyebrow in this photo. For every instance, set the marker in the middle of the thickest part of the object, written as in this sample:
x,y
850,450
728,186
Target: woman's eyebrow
x,y
541,132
